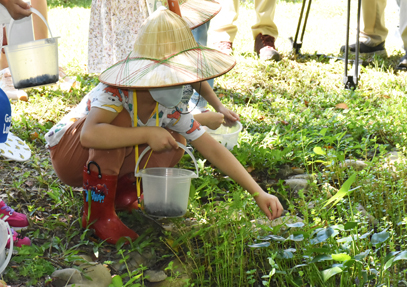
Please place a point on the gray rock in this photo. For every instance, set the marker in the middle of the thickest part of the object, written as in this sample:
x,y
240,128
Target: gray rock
x,y
297,184
285,171
306,176
155,276
93,275
298,171
356,164
328,189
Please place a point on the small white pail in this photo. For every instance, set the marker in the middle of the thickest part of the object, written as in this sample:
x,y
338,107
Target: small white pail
x,y
227,136
33,63
166,190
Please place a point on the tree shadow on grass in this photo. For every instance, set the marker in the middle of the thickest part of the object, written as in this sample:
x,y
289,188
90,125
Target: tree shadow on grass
x,y
69,3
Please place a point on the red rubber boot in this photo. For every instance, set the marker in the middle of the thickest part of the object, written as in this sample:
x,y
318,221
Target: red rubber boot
x,y
126,196
102,218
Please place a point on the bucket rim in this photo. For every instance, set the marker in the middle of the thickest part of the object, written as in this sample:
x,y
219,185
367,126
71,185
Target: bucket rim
x,y
213,132
143,172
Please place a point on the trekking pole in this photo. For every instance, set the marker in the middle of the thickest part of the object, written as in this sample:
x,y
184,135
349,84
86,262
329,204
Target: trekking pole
x,y
297,45
351,82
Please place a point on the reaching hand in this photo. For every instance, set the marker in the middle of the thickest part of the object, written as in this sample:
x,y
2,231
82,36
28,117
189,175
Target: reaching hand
x,y
230,117
18,9
212,120
160,139
267,203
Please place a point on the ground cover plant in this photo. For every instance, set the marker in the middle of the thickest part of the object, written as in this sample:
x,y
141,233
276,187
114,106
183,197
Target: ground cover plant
x,y
345,226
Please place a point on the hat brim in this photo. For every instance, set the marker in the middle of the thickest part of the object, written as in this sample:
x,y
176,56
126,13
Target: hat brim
x,y
197,13
15,149
191,66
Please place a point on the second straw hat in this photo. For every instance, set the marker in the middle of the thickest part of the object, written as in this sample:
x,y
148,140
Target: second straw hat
x,y
166,54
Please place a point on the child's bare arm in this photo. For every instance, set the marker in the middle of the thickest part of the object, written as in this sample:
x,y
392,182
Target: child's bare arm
x,y
219,156
99,132
206,91
212,120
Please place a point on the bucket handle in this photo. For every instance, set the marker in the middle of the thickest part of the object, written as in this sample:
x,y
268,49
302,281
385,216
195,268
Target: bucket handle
x,y
10,251
35,11
181,146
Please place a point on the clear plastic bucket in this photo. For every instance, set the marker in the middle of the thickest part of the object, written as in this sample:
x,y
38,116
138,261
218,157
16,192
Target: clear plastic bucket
x,y
227,136
5,234
33,63
166,190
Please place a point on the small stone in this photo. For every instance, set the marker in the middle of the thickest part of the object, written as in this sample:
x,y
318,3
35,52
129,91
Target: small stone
x,y
285,171
356,164
155,276
297,184
298,171
66,276
306,176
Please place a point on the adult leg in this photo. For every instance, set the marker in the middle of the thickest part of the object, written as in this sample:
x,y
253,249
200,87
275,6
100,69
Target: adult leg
x,y
265,30
223,27
373,30
403,32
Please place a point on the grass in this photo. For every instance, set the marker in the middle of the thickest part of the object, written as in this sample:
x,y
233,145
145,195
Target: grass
x,y
295,113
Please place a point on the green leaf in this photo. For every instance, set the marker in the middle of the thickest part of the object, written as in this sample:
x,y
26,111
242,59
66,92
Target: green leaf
x,y
319,151
401,256
379,237
350,225
322,257
328,273
362,255
273,237
260,245
341,257
323,235
117,281
344,191
298,237
286,254
297,224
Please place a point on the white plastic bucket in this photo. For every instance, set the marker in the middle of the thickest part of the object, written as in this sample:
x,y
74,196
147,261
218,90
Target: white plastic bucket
x,y
33,63
227,136
165,189
5,234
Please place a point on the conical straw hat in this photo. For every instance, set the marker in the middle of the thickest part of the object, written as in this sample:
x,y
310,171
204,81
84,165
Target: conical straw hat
x,y
166,54
198,12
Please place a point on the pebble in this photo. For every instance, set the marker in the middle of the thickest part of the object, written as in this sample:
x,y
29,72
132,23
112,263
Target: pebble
x,y
155,276
297,184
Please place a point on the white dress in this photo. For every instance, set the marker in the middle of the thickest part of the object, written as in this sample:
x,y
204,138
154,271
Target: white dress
x,y
113,28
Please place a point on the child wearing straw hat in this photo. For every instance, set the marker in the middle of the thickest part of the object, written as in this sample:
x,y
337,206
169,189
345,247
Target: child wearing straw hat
x,y
137,105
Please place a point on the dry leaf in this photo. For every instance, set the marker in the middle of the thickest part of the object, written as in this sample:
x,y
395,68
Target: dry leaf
x,y
261,118
34,136
221,95
342,106
328,147
306,103
284,122
250,169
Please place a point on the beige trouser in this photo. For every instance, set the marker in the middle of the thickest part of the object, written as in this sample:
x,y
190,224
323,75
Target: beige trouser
x,y
224,29
373,30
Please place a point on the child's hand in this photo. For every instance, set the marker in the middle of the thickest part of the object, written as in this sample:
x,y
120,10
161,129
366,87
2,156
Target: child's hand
x,y
17,8
160,139
268,202
210,119
230,117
